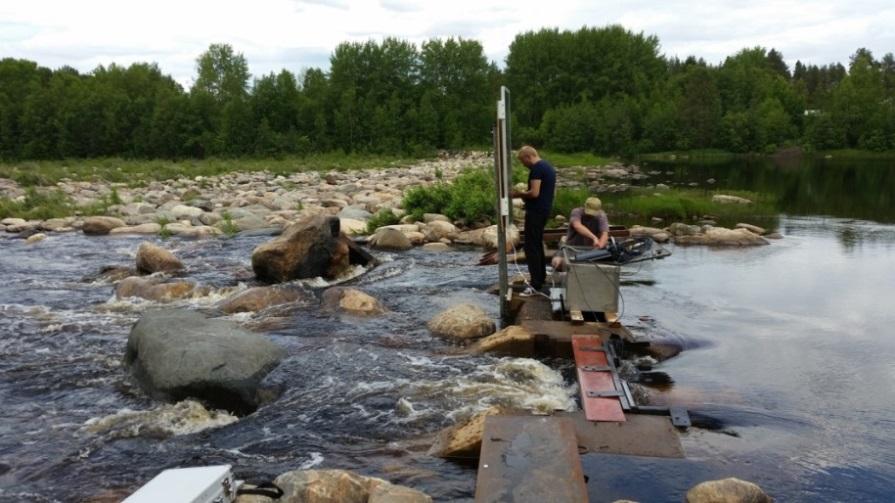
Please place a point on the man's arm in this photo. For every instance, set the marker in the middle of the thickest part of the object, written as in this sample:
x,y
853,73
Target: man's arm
x,y
598,242
533,193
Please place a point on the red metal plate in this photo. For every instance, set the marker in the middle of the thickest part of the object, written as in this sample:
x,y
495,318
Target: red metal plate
x,y
597,408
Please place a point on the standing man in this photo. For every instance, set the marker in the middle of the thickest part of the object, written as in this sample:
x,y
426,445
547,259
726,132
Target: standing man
x,y
538,201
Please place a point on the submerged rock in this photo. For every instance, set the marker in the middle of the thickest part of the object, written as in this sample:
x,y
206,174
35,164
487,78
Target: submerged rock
x,y
34,238
182,418
175,354
152,258
153,289
462,323
262,297
352,300
729,490
309,248
340,486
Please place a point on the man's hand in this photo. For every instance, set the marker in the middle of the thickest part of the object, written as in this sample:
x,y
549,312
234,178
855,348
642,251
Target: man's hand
x,y
517,194
596,242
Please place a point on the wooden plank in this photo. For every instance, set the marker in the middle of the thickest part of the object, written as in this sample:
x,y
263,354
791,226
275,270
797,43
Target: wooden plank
x,y
595,408
529,459
640,435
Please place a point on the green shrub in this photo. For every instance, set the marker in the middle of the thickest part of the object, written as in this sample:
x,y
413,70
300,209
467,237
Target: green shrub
x,y
382,217
37,205
468,197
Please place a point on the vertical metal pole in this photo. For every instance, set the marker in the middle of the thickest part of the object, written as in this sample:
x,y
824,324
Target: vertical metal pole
x,y
504,205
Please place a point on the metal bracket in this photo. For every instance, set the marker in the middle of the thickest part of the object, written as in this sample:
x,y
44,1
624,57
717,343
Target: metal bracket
x,y
596,368
604,394
680,417
576,316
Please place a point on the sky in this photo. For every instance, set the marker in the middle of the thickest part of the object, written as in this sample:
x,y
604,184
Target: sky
x,y
299,34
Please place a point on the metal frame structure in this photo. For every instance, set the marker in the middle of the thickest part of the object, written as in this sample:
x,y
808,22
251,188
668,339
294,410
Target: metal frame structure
x,y
503,176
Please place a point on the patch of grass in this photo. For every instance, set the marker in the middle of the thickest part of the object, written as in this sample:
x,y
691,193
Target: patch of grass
x,y
382,217
37,205
137,173
227,226
856,154
687,205
164,232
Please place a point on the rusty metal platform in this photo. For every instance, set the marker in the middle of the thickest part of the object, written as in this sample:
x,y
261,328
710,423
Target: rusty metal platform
x,y
554,338
599,391
640,435
530,459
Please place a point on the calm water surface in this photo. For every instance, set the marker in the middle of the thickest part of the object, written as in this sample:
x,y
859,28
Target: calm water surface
x,y
789,353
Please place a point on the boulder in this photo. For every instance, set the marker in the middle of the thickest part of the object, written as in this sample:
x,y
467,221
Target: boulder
x,y
681,229
725,199
489,237
147,228
754,229
262,297
152,259
387,238
183,211
34,238
436,247
355,213
351,226
56,224
435,217
462,323
97,226
463,440
309,248
175,354
13,221
340,486
351,300
720,236
416,238
440,229
153,289
657,235
729,490
513,340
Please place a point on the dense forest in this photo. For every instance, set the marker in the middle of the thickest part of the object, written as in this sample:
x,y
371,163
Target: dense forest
x,y
605,90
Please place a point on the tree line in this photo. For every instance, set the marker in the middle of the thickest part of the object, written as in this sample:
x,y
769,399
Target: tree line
x,y
606,90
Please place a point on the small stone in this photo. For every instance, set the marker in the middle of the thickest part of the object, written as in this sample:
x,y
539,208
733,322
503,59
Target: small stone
x,y
729,490
462,323
152,259
436,247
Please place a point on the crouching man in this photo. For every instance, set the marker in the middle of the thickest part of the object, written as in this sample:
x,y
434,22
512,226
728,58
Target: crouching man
x,y
588,227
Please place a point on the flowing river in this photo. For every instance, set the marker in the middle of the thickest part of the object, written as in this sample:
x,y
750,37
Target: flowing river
x,y
788,352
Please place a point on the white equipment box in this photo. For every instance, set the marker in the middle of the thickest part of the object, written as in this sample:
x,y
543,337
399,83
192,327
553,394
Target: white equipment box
x,y
204,484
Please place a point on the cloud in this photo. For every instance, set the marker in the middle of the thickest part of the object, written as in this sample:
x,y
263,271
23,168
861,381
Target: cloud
x,y
295,34
400,5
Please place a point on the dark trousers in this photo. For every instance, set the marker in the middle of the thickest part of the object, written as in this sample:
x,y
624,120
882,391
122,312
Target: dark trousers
x,y
534,247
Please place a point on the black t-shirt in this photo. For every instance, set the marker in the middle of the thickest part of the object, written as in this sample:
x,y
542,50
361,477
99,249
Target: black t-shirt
x,y
543,171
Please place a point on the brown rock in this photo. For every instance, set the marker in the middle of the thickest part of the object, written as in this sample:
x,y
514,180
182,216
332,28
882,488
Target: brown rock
x,y
352,300
152,258
462,322
463,440
340,486
730,490
259,298
308,248
513,340
97,226
436,247
720,236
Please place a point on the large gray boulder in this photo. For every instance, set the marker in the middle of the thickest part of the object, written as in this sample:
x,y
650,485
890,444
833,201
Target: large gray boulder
x,y
309,248
175,354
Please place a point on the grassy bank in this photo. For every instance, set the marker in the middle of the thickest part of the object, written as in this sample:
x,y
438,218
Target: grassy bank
x,y
685,205
138,172
53,204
